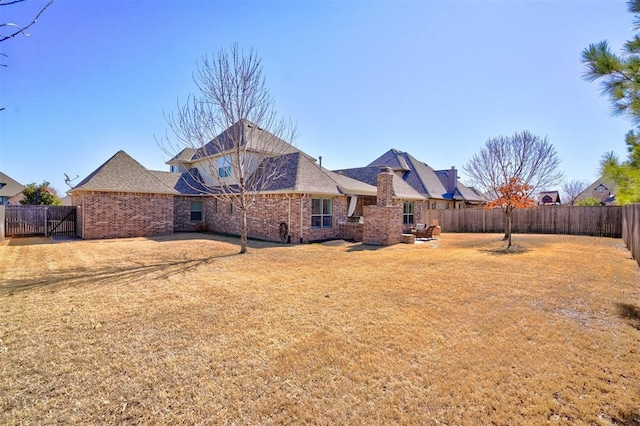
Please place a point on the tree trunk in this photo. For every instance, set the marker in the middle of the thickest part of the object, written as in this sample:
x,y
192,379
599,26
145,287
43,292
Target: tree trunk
x,y
243,231
243,221
506,225
507,229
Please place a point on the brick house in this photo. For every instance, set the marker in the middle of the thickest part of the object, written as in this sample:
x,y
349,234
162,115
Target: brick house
x,y
307,202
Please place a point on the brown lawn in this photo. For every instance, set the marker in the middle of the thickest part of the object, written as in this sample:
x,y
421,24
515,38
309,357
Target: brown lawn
x,y
454,331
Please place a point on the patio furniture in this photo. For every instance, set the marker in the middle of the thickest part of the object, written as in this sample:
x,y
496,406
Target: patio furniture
x,y
421,230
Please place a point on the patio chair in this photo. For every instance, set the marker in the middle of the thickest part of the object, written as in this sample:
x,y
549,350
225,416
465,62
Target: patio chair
x,y
424,231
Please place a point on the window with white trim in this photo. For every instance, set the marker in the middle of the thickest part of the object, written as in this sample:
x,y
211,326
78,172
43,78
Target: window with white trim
x,y
407,213
321,212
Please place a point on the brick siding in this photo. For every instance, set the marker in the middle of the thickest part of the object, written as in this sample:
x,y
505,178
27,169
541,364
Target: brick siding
x,y
121,215
182,215
383,222
382,225
267,213
124,215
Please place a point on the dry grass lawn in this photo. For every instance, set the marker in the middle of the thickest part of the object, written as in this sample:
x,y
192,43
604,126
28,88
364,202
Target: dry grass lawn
x,y
182,330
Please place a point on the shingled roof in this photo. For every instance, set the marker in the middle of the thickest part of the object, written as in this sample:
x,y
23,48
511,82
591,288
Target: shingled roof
x,y
300,174
187,183
121,173
369,175
251,137
420,176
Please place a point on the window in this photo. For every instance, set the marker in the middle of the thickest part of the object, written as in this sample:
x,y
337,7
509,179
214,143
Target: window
x,y
196,211
407,214
174,169
224,167
321,212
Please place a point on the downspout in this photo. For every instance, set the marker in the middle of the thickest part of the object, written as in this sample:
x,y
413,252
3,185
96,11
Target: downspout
x,y
301,198
83,221
289,217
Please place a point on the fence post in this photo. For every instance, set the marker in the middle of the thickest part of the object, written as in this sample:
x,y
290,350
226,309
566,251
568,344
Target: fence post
x,y
46,222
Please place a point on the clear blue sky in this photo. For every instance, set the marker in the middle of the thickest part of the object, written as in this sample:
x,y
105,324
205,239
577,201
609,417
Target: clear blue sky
x,y
433,78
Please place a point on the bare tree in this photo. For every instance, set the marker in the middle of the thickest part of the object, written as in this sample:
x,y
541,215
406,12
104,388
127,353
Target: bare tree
x,y
571,189
232,127
511,168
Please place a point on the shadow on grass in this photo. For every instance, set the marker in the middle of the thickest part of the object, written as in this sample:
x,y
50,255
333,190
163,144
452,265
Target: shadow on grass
x,y
28,241
631,313
364,247
514,249
126,274
630,418
252,243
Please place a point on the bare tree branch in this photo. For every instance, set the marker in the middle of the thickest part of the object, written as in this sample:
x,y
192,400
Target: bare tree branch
x,y
573,188
16,29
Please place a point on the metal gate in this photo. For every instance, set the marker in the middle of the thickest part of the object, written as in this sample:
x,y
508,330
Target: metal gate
x,y
23,221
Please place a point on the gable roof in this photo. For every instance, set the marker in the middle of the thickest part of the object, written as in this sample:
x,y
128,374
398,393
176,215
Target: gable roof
x,y
121,173
252,138
9,187
590,191
549,197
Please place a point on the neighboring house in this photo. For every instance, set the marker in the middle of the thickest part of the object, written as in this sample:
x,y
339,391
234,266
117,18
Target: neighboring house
x,y
10,190
549,198
307,202
603,189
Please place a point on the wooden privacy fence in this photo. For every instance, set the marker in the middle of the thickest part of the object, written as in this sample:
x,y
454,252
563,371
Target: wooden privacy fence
x,y
23,221
601,221
631,229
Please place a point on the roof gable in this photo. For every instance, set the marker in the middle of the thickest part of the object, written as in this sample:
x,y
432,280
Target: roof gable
x,y
547,197
251,137
9,187
121,173
603,189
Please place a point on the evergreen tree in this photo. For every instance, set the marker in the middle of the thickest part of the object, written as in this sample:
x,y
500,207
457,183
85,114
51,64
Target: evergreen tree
x,y
620,78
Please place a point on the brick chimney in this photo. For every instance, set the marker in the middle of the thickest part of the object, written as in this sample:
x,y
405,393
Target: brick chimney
x,y
452,180
384,184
